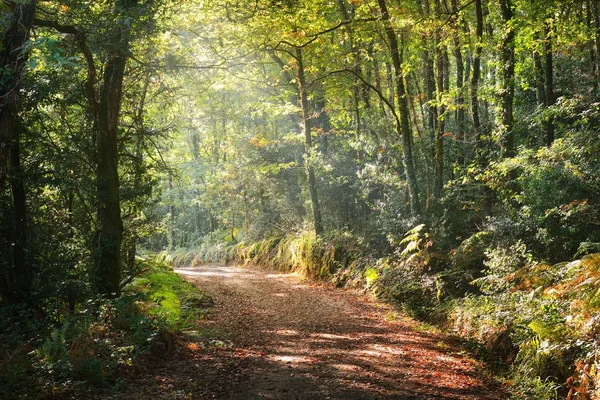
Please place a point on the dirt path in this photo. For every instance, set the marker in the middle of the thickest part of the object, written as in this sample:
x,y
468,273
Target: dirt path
x,y
290,340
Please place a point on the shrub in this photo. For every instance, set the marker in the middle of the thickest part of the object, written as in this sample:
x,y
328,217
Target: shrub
x,y
88,347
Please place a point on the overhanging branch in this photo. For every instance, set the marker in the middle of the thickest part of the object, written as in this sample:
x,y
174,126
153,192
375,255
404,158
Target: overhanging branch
x,y
369,85
85,50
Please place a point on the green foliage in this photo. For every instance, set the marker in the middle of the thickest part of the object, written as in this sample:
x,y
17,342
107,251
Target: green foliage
x,y
371,276
20,332
174,300
548,313
212,168
102,336
415,292
553,226
416,241
501,263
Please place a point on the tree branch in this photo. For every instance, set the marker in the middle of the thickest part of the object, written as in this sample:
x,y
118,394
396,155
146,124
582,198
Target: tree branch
x,y
315,36
369,85
85,50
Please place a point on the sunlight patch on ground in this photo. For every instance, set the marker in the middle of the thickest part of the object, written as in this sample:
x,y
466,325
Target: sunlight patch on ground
x,y
296,359
212,272
286,332
346,367
387,350
330,336
281,276
373,353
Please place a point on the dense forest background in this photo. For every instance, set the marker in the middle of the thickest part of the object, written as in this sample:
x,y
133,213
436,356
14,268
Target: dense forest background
x,y
443,154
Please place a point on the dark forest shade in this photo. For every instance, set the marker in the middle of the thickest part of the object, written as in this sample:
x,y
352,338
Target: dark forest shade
x,y
16,282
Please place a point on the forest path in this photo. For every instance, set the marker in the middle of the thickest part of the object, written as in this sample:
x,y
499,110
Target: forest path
x,y
293,340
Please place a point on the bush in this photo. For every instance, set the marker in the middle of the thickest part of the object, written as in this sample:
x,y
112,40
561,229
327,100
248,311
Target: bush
x,y
540,318
89,347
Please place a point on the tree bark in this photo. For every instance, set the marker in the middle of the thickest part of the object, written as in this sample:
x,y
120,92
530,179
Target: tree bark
x,y
593,55
476,75
430,111
508,80
404,128
460,80
109,236
596,11
480,151
441,126
312,182
549,84
538,68
12,59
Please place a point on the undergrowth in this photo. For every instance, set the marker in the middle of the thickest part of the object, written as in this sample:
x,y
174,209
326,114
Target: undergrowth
x,y
42,357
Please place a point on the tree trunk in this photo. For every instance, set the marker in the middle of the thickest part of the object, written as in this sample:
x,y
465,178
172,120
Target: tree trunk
x,y
109,237
131,241
12,60
549,84
460,80
508,80
312,182
430,90
21,276
475,77
441,126
538,68
480,151
596,10
171,212
404,128
593,55
430,111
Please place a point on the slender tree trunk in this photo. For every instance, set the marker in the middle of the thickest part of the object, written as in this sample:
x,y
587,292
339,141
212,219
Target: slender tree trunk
x,y
131,242
430,90
431,116
538,68
460,100
549,83
441,126
490,67
443,86
312,182
508,80
323,124
480,151
593,56
358,90
390,80
476,75
232,223
71,288
378,85
424,144
404,128
21,276
12,62
430,109
171,213
596,10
